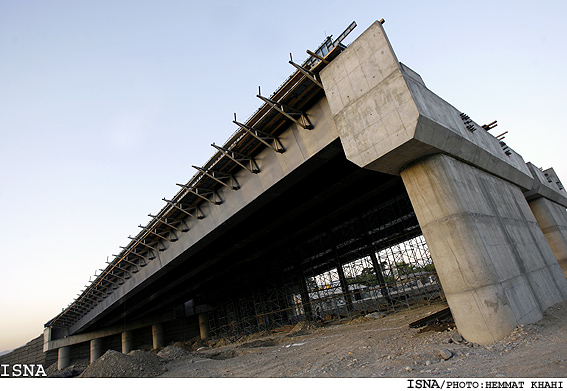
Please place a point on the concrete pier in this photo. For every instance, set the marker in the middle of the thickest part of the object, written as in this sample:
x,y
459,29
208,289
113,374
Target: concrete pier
x,y
494,263
552,218
126,341
96,349
157,335
63,357
204,327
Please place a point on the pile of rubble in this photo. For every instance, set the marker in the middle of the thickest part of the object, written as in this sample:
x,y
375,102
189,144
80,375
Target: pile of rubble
x,y
134,364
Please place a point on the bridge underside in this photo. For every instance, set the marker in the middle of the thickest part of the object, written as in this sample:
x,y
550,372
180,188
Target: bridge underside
x,y
335,214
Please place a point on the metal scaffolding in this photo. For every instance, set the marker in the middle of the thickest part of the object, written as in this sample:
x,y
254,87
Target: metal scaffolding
x,y
378,261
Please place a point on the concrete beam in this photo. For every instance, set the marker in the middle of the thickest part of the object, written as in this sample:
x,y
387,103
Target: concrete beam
x,y
387,118
546,184
79,338
495,266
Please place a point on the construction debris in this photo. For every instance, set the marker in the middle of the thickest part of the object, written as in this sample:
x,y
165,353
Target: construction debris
x,y
443,316
134,364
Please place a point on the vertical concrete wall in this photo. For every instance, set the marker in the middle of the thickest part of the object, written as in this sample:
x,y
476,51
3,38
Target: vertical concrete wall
x,y
552,218
493,261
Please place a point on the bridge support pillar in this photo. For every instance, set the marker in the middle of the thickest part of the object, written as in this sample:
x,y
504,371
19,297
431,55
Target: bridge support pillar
x,y
126,341
380,275
345,289
157,335
552,218
96,349
493,261
204,327
305,300
63,357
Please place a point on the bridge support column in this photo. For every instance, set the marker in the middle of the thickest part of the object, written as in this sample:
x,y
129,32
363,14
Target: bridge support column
x,y
157,335
552,218
305,299
204,327
344,287
380,275
126,341
96,349
493,261
63,357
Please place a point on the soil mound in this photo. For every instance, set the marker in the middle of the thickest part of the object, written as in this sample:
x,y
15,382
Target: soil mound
x,y
304,327
135,364
173,352
359,320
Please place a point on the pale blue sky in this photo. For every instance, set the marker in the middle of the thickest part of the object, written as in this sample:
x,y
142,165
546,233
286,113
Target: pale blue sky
x,y
105,105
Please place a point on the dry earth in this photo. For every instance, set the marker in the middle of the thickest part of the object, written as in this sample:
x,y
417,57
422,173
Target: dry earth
x,y
363,347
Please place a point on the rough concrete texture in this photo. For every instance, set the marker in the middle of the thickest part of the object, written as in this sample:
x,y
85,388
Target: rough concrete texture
x,y
546,184
494,264
370,101
552,219
63,357
386,117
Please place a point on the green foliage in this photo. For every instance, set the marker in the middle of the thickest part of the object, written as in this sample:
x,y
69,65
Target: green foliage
x,y
368,276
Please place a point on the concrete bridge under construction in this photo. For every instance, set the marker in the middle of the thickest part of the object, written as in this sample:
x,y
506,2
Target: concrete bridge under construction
x,y
353,188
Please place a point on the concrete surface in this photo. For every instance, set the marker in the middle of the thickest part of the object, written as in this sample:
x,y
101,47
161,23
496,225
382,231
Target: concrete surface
x,y
552,218
387,118
495,266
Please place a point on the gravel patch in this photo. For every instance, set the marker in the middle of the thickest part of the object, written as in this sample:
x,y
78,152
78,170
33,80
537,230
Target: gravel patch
x,y
135,364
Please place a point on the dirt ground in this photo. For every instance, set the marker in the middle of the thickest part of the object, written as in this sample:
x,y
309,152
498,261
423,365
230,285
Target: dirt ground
x,y
364,347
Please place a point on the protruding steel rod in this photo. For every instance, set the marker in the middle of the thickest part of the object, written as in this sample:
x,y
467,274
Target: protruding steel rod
x,y
317,56
290,110
238,158
153,231
164,221
195,191
143,244
307,73
500,135
211,174
198,216
261,136
124,259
